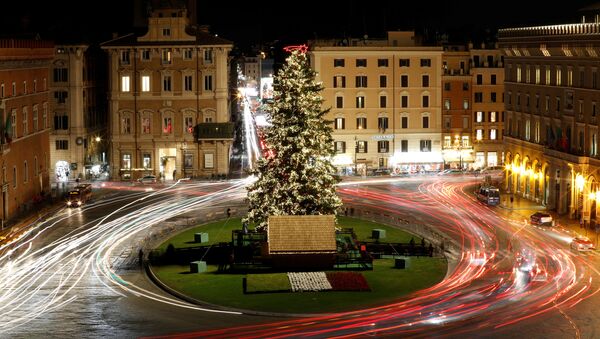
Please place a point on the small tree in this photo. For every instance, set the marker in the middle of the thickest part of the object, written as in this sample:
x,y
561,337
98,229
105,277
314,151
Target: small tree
x,y
295,176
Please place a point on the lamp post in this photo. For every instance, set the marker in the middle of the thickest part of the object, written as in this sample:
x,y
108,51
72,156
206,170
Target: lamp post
x,y
355,153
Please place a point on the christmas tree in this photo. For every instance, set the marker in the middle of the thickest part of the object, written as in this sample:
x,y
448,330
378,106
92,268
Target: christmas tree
x,y
295,175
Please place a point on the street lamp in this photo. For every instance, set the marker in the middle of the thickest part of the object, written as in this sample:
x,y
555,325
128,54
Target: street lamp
x,y
355,153
459,146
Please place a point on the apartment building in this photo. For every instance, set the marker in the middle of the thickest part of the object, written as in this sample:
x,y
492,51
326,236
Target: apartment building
x,y
472,107
169,100
24,72
552,97
78,139
385,102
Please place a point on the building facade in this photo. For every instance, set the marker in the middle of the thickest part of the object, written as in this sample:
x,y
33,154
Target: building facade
x,y
24,73
385,102
552,97
472,107
169,100
78,139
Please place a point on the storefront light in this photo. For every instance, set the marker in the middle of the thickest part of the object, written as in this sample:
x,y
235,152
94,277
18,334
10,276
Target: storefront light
x,y
579,182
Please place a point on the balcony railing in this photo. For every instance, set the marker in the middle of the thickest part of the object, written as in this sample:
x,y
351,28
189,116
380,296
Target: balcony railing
x,y
214,130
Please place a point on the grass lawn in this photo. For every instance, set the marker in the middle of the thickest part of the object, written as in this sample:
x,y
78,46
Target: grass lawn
x,y
387,283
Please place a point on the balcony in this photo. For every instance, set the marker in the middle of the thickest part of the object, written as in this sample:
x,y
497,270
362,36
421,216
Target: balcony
x,y
214,131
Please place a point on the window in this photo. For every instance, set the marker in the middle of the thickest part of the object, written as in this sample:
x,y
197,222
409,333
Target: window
x,y
404,62
166,56
339,147
425,62
187,83
187,54
425,145
557,104
478,97
146,54
479,134
493,134
188,160
145,125
493,96
61,74
62,144
338,63
404,122
25,121
45,116
383,146
360,101
125,57
581,78
426,101
13,123
480,79
125,83
361,81
339,81
147,160
465,86
188,125
167,125
404,81
404,146
447,141
447,122
361,62
382,62
145,83
465,103
558,76
126,125
493,79
167,83
14,176
447,86
25,172
594,146
404,100
2,90
35,118
208,83
361,123
382,123
339,123
61,121
339,102
446,103
493,117
24,87
126,161
547,75
361,147
382,81
425,120
166,32
208,56
14,89
479,116
425,81
382,101
518,73
61,96
570,77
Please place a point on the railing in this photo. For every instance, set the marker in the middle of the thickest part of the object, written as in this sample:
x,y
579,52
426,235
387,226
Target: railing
x,y
567,29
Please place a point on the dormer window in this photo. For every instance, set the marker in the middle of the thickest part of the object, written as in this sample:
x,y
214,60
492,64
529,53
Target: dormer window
x,y
166,32
125,58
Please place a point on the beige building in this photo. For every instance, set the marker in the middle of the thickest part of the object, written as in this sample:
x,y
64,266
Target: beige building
x,y
78,118
24,68
169,100
385,98
472,107
552,99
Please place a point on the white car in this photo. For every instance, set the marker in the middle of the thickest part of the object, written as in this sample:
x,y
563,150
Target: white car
x,y
580,243
496,172
147,179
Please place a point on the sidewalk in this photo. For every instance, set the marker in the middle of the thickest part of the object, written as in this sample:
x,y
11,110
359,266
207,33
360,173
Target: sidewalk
x,y
526,208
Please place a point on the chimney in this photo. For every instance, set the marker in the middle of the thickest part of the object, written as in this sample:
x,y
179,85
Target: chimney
x,y
204,28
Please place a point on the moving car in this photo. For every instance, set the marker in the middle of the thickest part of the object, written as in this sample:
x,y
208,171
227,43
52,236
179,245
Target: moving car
x,y
451,171
147,179
581,243
541,219
79,195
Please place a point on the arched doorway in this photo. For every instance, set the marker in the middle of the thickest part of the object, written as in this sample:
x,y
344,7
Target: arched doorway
x,y
61,171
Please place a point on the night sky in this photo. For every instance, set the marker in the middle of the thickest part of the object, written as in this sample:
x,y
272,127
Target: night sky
x,y
253,22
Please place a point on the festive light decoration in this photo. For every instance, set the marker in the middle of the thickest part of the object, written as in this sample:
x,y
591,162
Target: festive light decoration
x,y
296,175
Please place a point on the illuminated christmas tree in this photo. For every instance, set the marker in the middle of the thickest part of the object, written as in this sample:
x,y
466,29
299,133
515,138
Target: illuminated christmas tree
x,y
295,176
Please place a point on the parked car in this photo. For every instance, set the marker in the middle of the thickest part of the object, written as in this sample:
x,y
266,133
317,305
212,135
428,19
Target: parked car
x,y
541,219
147,179
581,243
495,172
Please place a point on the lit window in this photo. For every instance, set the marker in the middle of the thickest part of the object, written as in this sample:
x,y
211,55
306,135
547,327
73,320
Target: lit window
x,y
125,83
492,134
146,83
479,134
